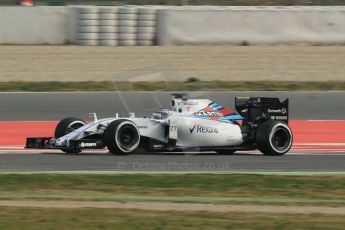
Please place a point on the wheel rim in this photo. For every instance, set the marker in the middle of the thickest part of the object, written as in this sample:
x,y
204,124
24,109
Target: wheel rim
x,y
127,137
74,126
281,139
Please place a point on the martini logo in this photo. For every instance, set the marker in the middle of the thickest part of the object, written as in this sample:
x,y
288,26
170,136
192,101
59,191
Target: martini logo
x,y
202,129
208,114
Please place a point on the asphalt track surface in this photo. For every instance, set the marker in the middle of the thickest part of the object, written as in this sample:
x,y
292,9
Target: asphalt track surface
x,y
55,106
170,162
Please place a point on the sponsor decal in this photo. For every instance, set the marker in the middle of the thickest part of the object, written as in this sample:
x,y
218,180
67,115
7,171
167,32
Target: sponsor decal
x,y
279,117
142,127
158,146
179,103
192,129
83,144
282,111
202,129
208,114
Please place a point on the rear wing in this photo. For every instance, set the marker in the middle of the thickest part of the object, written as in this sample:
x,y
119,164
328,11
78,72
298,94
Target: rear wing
x,y
256,109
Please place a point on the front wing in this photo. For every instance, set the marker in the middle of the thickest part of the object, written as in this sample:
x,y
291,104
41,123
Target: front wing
x,y
48,143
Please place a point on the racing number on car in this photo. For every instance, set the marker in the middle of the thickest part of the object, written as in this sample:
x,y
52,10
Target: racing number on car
x,y
173,132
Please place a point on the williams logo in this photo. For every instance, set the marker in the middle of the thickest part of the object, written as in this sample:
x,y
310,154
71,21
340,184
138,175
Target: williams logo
x,y
202,129
179,103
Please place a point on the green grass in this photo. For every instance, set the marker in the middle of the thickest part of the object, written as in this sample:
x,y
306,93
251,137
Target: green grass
x,y
92,218
322,190
191,84
328,189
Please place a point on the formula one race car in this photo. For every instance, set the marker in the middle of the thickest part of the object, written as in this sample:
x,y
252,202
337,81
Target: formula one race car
x,y
261,123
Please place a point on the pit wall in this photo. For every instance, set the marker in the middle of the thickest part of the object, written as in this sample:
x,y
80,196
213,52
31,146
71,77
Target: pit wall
x,y
172,25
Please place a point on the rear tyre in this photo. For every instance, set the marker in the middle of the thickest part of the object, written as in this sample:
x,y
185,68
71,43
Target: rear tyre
x,y
274,138
68,125
122,137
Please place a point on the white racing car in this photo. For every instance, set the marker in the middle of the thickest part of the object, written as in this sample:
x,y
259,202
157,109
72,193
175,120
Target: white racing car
x,y
192,124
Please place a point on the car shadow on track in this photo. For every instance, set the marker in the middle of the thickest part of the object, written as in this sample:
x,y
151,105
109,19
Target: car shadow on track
x,y
153,153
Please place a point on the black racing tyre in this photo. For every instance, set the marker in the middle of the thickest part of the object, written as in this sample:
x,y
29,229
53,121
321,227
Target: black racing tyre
x,y
143,146
225,151
122,137
274,138
66,126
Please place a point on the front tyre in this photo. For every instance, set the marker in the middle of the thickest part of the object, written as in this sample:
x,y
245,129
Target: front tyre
x,y
66,126
274,138
122,137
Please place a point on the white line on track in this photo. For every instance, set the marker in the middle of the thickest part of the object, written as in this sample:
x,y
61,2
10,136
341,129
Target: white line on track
x,y
320,144
318,149
12,147
297,173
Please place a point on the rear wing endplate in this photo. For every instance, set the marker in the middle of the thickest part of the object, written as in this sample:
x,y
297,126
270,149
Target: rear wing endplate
x,y
256,108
